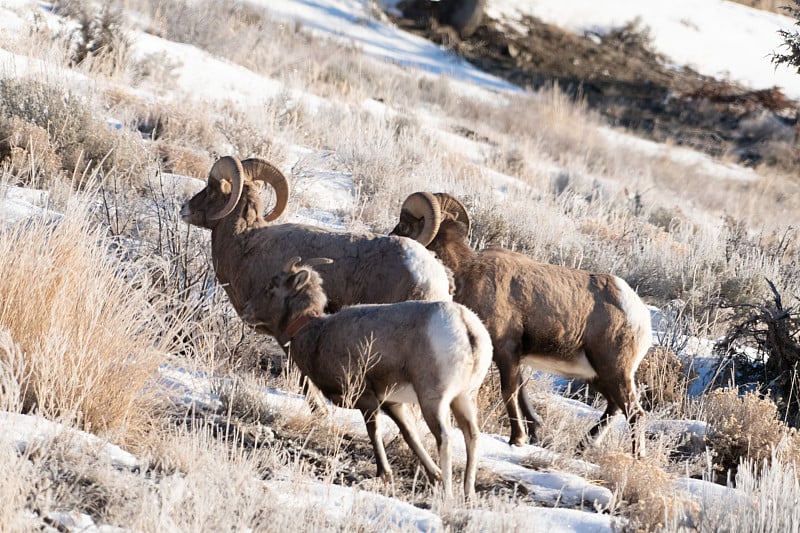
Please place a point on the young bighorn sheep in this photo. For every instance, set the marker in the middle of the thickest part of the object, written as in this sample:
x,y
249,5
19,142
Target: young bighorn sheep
x,y
435,354
561,320
246,250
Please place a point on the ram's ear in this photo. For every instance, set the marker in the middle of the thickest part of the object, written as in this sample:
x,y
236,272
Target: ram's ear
x,y
225,186
299,280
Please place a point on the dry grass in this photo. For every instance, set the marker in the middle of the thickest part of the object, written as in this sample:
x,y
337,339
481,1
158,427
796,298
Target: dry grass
x,y
776,6
90,339
644,491
663,381
81,331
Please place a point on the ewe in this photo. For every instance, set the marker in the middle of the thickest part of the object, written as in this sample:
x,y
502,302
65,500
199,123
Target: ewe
x,y
435,354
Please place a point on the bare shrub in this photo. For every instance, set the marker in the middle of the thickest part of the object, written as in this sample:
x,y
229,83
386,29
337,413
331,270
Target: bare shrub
x,y
181,123
771,330
663,380
29,153
776,6
746,427
182,160
644,491
81,139
98,37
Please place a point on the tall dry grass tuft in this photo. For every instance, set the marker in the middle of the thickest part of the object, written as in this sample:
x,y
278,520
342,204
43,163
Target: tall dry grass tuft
x,y
12,373
89,336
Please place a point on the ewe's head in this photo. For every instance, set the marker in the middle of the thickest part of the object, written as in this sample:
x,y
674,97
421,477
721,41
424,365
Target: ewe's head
x,y
296,291
423,214
230,182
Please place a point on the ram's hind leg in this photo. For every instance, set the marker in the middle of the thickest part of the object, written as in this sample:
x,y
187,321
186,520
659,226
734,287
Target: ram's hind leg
x,y
510,384
621,396
534,421
627,396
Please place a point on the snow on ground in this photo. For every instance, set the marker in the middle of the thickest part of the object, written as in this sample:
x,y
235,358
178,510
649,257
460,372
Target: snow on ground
x,y
18,204
679,28
26,434
714,37
359,509
352,22
548,486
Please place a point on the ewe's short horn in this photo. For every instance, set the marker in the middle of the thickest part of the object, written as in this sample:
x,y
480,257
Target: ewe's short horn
x,y
317,261
261,170
451,204
424,205
228,168
291,264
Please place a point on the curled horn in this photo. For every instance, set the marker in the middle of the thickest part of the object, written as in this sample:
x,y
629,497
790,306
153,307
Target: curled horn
x,y
424,205
228,168
261,170
452,205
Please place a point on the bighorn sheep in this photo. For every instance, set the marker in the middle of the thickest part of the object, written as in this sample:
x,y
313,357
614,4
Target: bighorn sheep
x,y
555,319
246,251
435,354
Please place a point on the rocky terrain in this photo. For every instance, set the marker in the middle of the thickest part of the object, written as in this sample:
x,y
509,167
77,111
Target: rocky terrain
x,y
620,77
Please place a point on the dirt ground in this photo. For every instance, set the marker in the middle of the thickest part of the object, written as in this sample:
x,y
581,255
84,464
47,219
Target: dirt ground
x,y
622,79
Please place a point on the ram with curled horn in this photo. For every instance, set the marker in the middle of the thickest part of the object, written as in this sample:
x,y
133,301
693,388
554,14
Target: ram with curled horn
x,y
561,320
247,249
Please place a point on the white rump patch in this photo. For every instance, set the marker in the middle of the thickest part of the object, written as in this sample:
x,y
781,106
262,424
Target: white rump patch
x,y
638,319
576,368
449,341
429,273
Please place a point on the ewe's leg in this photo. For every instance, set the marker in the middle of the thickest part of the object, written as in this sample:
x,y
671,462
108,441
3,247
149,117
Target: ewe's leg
x,y
465,413
510,384
435,412
369,406
399,413
316,402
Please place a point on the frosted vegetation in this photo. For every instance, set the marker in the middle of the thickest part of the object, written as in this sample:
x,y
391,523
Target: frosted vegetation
x,y
132,396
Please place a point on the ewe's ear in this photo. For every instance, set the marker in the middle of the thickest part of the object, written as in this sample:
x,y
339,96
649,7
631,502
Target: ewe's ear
x,y
299,280
225,186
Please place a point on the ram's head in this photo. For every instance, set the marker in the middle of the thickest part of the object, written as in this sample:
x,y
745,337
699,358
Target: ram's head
x,y
422,214
228,180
